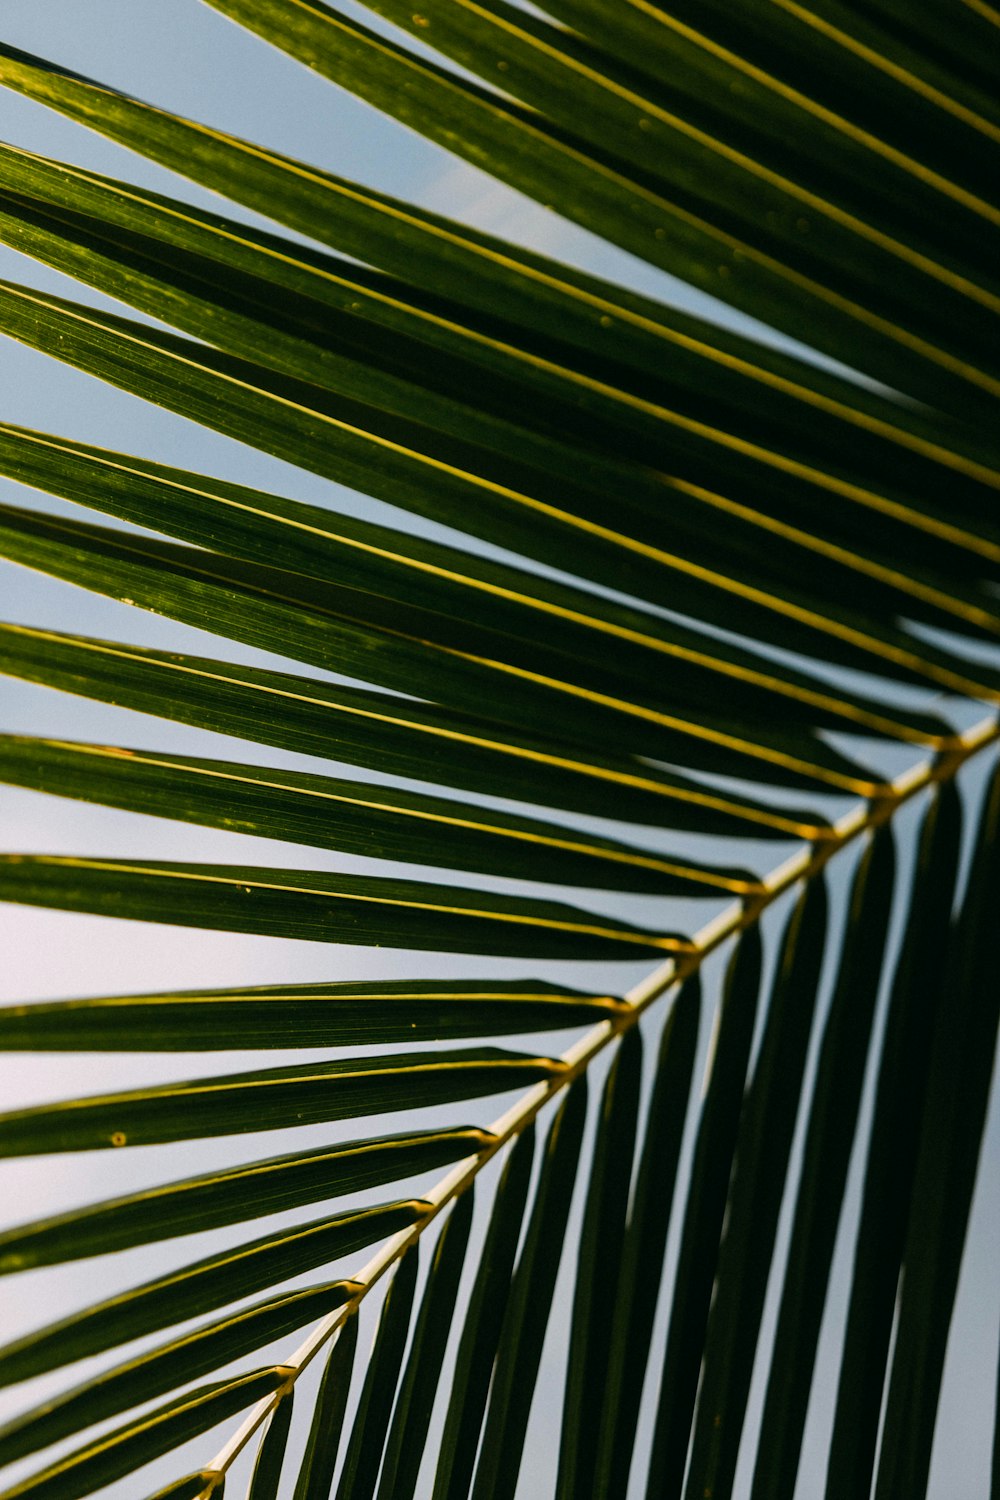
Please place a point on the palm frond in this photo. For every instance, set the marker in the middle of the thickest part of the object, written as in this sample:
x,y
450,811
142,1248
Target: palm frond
x,y
656,598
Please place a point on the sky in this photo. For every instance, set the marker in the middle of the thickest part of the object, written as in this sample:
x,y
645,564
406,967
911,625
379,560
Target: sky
x,y
188,58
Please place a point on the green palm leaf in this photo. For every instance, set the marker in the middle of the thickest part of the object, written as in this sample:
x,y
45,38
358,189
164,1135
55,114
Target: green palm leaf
x,y
658,589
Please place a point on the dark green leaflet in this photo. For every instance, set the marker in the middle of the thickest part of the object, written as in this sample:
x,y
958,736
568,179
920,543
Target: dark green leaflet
x,y
402,737
271,1451
356,817
128,1448
193,1487
363,1455
482,1326
315,906
645,1241
163,1369
598,1269
315,1477
704,1212
408,1433
755,1197
299,1015
940,44
530,1305
271,1098
203,1286
945,1173
231,1196
917,994
829,1139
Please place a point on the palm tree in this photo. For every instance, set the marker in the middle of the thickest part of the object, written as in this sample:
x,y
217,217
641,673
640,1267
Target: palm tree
x,y
734,621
